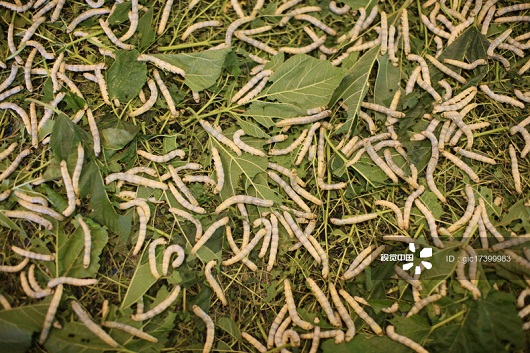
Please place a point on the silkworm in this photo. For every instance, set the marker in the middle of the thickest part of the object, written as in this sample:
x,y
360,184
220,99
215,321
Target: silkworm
x,y
31,199
163,305
391,309
112,37
343,312
5,194
458,134
461,277
5,304
408,205
182,187
291,307
213,283
254,342
255,43
161,64
275,324
459,28
306,49
233,26
431,222
71,281
390,331
84,16
21,112
184,202
391,46
472,223
298,11
42,293
361,313
208,233
333,7
382,109
245,250
302,237
509,19
430,128
243,199
307,143
31,31
501,98
244,147
165,93
475,156
379,161
17,7
302,192
220,137
526,137
352,272
501,38
11,42
285,172
522,96
30,216
133,18
432,27
515,170
468,212
218,170
412,79
27,69
370,18
130,330
252,266
488,223
304,119
289,191
274,242
354,32
165,17
88,241
384,33
69,189
33,280
462,165
353,219
324,302
170,250
464,65
135,179
286,6
405,30
200,25
427,87
257,30
50,314
320,251
433,161
268,234
150,102
393,207
316,23
3,155
41,209
445,69
9,80
15,268
521,261
96,329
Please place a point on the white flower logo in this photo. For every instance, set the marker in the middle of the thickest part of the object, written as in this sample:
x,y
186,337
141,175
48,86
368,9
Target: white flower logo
x,y
424,253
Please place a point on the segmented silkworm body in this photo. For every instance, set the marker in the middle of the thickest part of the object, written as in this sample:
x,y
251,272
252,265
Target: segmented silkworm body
x,y
463,166
291,147
165,17
190,218
390,331
32,255
210,328
291,307
71,281
289,191
208,233
352,272
92,326
41,209
233,26
501,98
163,305
244,147
161,64
78,168
243,199
170,250
324,302
362,314
112,37
354,219
515,169
50,313
15,268
213,283
220,137
135,179
69,189
199,25
130,330
30,216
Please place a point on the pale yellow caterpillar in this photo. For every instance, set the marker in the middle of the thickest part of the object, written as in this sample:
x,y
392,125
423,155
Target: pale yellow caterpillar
x,y
133,18
464,65
233,26
391,45
161,64
526,137
50,314
362,255
371,17
32,255
170,250
352,272
243,199
257,30
9,80
306,49
343,312
5,304
302,237
316,23
412,79
218,170
353,219
71,281
475,156
69,189
384,33
391,309
415,283
285,172
275,324
518,7
285,6
461,277
210,328
27,69
393,207
25,197
443,134
423,303
501,38
84,16
150,102
354,32
487,20
15,268
291,147
522,96
430,89
488,223
165,93
11,42
135,179
482,234
220,137
274,242
163,305
510,19
398,171
17,7
302,192
279,333
405,30
165,17
184,202
208,233
268,234
130,330
182,187
21,112
323,49
437,31
515,170
445,22
49,112
252,266
463,166
307,143
472,264
92,326
445,69
433,161
382,109
289,191
42,293
298,11
361,313
112,37
291,336
213,283
324,302
522,296
246,223
5,194
88,241
34,125
459,28
244,147
254,342
472,223
193,3
94,131
190,218
408,205
371,125
390,331
31,31
501,98
33,280
30,216
338,10
245,250
468,212
509,243
78,168
199,25
379,161
291,307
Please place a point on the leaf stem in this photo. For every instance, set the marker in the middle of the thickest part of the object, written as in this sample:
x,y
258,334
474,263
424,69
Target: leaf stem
x,y
449,319
190,45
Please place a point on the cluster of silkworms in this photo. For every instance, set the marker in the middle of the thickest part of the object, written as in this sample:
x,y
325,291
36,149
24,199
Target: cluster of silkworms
x,y
311,141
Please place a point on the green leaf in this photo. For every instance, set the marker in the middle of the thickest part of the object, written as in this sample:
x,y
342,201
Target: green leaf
x,y
252,129
119,15
126,76
488,326
415,327
275,62
385,83
518,215
202,68
356,4
304,81
144,28
263,112
119,135
227,324
74,337
354,87
231,64
65,137
365,344
70,251
18,325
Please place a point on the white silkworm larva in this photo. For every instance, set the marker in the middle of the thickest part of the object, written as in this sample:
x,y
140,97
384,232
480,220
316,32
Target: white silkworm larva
x,y
510,243
487,21
472,223
15,268
461,277
161,64
448,89
384,33
208,233
333,7
457,119
391,309
361,313
459,28
21,112
130,330
30,216
275,325
285,172
152,256
199,179
84,16
430,128
218,170
88,241
5,304
213,283
291,147
521,261
259,4
274,242
142,230
237,8
524,133
307,143
257,89
316,23
468,213
427,87
302,192
243,199
190,218
48,112
5,194
298,11
393,207
510,19
352,272
252,266
268,234
408,205
165,93
50,314
431,222
464,65
354,32
522,296
78,168
220,137
445,69
200,25
184,202
304,119
170,250
42,293
69,189
9,80
318,248
518,7
462,165
501,38
292,337
71,281
31,199
433,161
135,179
446,22
27,69
210,328
382,109
370,18
112,37
31,31
487,222
501,98
302,237
92,326
286,6
11,42
150,102
405,30
244,147
233,26
343,312
291,307
165,17
257,30
94,131
32,255
515,170
289,191
353,219
258,59
33,280
182,187
324,302
3,155
163,305
379,161
413,78
506,63
390,331
475,156
304,50
133,18
519,94
254,342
